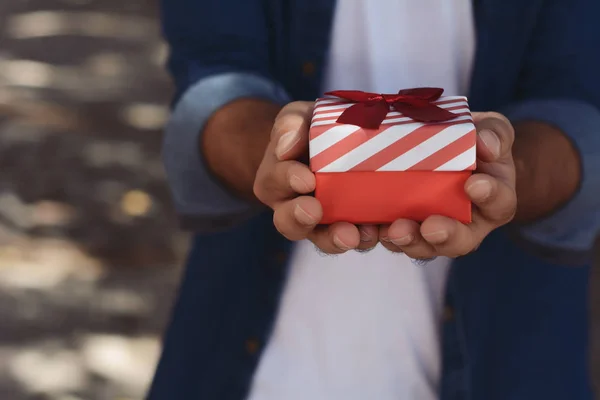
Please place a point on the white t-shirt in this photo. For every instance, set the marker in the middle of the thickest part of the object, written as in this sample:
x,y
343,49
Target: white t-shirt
x,y
367,325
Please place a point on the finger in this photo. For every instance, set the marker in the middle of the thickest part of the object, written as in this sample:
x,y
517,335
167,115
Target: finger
x,y
290,130
336,238
407,236
368,237
283,181
496,201
496,205
385,241
296,218
495,136
449,237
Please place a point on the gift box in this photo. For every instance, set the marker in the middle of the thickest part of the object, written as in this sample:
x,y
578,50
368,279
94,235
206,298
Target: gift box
x,y
378,157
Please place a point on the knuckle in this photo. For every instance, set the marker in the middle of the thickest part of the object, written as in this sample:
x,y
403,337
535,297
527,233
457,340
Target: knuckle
x,y
490,116
461,252
278,223
285,169
293,116
258,189
263,188
477,246
497,116
507,211
282,225
286,111
503,128
322,244
284,174
499,124
293,110
507,215
464,250
391,247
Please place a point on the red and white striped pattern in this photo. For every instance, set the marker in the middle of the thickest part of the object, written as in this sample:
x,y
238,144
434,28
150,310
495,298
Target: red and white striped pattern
x,y
400,143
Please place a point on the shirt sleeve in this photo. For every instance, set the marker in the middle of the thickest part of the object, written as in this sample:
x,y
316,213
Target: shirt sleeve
x,y
200,200
559,85
575,226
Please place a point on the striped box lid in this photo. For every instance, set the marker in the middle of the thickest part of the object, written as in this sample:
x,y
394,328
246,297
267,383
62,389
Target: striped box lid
x,y
400,143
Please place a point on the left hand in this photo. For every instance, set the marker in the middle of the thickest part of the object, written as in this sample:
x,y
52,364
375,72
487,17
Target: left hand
x,y
491,189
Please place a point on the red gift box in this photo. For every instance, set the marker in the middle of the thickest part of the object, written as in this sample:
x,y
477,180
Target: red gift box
x,y
378,158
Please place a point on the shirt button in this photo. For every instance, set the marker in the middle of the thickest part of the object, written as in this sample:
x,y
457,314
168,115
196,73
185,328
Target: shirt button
x,y
252,346
308,69
448,314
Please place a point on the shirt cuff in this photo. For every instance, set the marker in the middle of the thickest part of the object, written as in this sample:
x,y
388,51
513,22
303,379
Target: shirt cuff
x,y
196,193
574,226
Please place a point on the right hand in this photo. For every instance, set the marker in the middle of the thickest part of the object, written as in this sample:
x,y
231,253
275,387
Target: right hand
x,y
284,184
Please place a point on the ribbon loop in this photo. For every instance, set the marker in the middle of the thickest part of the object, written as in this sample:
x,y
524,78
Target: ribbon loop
x,y
371,108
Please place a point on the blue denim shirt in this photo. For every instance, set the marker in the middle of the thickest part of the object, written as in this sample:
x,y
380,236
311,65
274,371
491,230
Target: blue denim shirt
x,y
516,325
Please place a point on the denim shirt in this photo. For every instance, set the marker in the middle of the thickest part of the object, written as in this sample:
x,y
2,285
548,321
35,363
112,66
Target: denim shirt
x,y
516,315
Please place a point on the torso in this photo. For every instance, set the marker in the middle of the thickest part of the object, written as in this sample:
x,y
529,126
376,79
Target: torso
x,y
360,326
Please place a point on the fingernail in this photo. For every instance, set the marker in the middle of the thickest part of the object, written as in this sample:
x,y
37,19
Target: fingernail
x,y
491,141
436,237
480,190
385,239
364,236
340,244
298,184
286,142
303,217
403,241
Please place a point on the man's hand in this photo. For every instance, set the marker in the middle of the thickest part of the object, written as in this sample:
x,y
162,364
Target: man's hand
x,y
491,189
284,184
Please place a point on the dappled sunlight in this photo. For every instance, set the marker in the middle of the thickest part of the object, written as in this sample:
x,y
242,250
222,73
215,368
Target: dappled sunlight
x,y
81,81
121,302
55,368
45,264
104,153
27,73
30,113
89,246
59,23
49,371
128,361
107,64
136,203
146,116
52,213
159,54
15,210
42,213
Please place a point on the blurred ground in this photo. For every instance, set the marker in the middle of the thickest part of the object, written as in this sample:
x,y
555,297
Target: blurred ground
x,y
88,245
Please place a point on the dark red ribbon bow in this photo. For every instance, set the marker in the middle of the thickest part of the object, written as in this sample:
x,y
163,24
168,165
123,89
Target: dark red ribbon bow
x,y
371,108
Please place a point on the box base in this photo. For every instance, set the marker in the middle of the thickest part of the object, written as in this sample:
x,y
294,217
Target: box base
x,y
383,197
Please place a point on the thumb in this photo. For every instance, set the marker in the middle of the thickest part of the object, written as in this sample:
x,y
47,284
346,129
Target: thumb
x,y
290,131
495,137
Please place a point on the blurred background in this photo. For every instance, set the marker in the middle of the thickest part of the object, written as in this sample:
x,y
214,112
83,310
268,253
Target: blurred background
x,y
89,250
89,247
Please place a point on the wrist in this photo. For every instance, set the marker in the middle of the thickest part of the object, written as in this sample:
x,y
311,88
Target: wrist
x,y
234,141
548,170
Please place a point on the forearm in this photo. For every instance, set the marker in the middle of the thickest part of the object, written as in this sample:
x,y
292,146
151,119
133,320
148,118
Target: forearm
x,y
234,141
548,170
199,196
